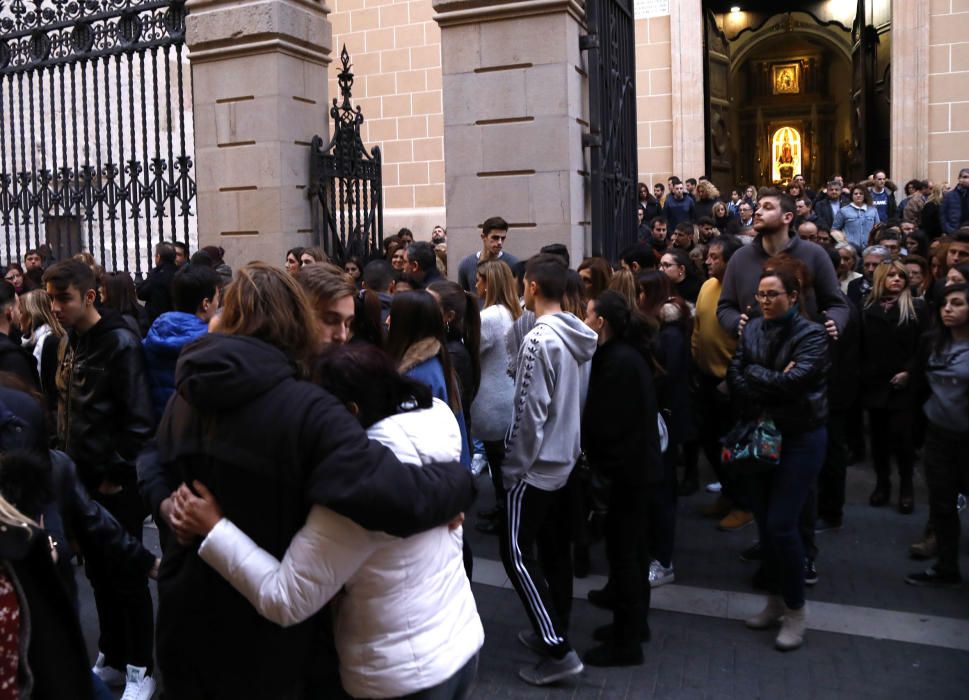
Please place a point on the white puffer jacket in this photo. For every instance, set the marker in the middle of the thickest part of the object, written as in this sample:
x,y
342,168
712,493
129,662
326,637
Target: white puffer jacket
x,y
408,620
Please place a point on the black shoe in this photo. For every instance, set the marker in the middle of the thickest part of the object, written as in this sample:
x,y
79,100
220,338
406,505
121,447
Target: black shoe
x,y
489,527
604,633
931,577
492,513
609,655
810,572
827,524
881,495
752,553
688,487
601,598
906,498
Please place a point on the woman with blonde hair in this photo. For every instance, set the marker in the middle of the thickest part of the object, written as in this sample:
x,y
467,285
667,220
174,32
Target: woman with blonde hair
x,y
624,282
892,323
707,195
42,334
266,443
492,407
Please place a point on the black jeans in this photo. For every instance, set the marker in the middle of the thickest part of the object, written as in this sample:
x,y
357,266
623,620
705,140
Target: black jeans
x,y
628,556
778,499
947,473
716,419
891,436
661,511
536,552
831,481
457,687
121,597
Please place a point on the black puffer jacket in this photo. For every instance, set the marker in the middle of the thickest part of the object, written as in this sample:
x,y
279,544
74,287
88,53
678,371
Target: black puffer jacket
x,y
796,400
267,445
104,416
17,360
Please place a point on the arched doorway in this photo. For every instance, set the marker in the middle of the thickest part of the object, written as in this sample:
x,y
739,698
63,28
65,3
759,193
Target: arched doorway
x,y
820,70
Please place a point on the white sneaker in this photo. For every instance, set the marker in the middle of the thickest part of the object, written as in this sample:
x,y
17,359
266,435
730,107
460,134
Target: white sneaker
x,y
139,685
109,675
478,463
714,487
659,574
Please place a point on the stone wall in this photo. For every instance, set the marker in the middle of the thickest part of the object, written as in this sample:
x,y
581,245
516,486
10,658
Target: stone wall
x,y
654,100
395,47
948,89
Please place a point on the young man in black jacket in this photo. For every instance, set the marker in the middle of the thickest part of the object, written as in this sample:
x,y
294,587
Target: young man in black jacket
x,y
104,418
156,289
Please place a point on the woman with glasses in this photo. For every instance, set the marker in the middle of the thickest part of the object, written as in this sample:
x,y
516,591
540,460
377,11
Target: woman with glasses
x,y
892,323
780,372
676,265
15,276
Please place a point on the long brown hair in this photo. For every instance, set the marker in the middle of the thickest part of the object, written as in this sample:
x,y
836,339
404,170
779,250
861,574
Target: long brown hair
x,y
499,286
266,303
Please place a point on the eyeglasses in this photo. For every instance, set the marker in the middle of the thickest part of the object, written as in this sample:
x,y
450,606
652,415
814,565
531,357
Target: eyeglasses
x,y
666,265
770,294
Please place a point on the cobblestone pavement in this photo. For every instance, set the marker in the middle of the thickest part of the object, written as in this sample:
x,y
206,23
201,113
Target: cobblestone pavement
x,y
712,655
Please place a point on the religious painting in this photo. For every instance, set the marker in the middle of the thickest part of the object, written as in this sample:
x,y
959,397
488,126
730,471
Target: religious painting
x,y
786,155
787,78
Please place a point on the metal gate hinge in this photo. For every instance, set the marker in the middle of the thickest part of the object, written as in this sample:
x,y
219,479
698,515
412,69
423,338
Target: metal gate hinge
x,y
588,41
591,140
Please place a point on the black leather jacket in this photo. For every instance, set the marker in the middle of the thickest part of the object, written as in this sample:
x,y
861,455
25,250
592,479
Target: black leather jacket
x,y
797,400
104,415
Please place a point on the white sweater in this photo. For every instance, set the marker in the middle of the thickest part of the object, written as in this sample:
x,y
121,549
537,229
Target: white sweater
x,y
408,619
492,407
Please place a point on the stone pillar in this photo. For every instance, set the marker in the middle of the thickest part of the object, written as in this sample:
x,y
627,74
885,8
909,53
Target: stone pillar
x,y
260,94
515,105
910,91
686,46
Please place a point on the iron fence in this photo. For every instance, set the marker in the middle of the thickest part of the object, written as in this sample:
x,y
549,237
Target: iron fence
x,y
95,129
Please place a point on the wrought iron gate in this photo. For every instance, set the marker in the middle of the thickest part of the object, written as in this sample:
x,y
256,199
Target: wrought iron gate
x,y
95,151
345,184
612,119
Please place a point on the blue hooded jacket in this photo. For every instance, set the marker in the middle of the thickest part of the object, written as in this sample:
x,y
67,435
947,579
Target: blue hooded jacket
x,y
167,336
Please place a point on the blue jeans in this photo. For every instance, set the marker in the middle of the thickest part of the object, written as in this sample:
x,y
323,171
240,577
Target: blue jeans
x,y
777,498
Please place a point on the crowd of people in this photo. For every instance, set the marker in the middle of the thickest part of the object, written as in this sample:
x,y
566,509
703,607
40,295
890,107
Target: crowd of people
x,y
307,437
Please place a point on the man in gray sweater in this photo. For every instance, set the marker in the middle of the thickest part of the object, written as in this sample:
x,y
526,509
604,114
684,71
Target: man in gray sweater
x,y
772,224
542,446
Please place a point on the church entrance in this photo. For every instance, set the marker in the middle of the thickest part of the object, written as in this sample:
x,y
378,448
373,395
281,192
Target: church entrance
x,y
796,88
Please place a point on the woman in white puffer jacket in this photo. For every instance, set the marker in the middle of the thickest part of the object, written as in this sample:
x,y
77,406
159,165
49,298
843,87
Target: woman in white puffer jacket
x,y
407,621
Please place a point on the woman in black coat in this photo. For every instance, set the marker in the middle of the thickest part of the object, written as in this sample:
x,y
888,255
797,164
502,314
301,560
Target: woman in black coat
x,y
267,443
780,372
621,441
892,323
670,317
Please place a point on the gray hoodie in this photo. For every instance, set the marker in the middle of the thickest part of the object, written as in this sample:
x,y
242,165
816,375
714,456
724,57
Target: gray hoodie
x,y
542,444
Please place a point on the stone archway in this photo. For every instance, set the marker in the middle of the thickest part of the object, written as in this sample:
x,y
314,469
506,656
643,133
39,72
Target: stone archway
x,y
909,97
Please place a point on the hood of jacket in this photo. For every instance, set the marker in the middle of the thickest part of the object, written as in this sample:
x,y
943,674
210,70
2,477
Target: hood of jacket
x,y
421,436
111,320
221,371
173,330
578,338
419,352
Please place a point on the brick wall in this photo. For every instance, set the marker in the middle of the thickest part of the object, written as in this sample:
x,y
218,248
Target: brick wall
x,y
395,47
948,89
654,100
